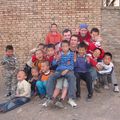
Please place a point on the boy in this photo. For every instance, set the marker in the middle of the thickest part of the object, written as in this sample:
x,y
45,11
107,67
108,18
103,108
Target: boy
x,y
105,74
64,69
81,69
10,65
23,94
33,81
45,73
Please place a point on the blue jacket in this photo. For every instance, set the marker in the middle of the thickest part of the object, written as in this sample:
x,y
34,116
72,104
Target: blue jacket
x,y
66,62
81,64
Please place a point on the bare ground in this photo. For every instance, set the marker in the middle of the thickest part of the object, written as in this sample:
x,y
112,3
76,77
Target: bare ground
x,y
104,106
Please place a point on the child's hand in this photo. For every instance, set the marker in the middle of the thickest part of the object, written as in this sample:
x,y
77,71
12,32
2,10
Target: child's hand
x,y
57,57
64,72
99,67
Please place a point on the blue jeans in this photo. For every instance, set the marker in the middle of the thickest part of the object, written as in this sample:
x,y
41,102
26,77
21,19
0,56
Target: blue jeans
x,y
41,86
13,103
71,84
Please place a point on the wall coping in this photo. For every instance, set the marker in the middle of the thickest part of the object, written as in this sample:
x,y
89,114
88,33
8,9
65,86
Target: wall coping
x,y
111,8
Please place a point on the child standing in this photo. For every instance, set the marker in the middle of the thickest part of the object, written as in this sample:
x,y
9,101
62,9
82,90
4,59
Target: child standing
x,y
33,81
10,65
23,94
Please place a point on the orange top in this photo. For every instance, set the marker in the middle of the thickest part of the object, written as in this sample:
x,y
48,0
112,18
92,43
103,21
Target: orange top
x,y
44,77
53,39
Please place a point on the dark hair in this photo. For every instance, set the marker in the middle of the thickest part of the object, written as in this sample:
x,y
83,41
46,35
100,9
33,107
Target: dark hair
x,y
9,47
53,24
99,50
95,30
51,46
74,35
108,54
41,44
67,30
82,45
65,41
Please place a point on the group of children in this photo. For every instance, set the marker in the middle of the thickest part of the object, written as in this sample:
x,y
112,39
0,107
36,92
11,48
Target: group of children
x,y
58,66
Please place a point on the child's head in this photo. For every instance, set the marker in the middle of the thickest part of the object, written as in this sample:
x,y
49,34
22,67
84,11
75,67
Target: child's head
x,y
94,33
9,50
97,52
21,75
107,58
50,49
35,72
45,66
39,54
65,45
82,47
40,46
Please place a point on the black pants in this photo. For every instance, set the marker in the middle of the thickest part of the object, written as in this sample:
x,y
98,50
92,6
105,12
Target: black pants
x,y
87,78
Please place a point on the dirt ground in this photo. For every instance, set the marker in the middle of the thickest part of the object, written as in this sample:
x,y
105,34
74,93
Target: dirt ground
x,y
104,106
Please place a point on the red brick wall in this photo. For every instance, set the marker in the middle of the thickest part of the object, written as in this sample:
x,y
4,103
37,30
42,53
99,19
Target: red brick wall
x,y
24,23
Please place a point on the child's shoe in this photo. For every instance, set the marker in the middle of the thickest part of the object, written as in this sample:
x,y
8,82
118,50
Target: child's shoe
x,y
72,102
47,103
116,89
8,94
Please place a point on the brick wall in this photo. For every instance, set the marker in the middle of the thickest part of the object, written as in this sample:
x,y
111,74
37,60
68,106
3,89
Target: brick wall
x,y
24,23
111,33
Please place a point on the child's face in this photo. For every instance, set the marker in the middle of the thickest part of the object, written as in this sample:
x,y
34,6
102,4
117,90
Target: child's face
x,y
35,73
9,53
82,51
21,76
96,53
107,60
50,51
41,47
39,54
94,35
65,47
74,41
44,67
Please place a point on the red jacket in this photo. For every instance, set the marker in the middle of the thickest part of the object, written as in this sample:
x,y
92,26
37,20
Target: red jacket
x,y
86,38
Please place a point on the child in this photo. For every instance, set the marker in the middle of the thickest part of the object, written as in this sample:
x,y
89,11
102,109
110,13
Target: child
x,y
23,94
39,58
10,65
45,73
29,63
95,37
82,66
105,74
33,81
65,67
51,55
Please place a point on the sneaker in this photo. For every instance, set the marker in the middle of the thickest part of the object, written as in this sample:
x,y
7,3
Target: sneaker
x,y
47,103
72,102
59,104
106,87
116,89
8,94
89,97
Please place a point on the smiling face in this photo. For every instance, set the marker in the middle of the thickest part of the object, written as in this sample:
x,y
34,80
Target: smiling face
x,y
50,51
45,66
53,28
65,47
107,59
82,51
21,76
96,53
39,54
74,41
35,72
9,53
67,35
